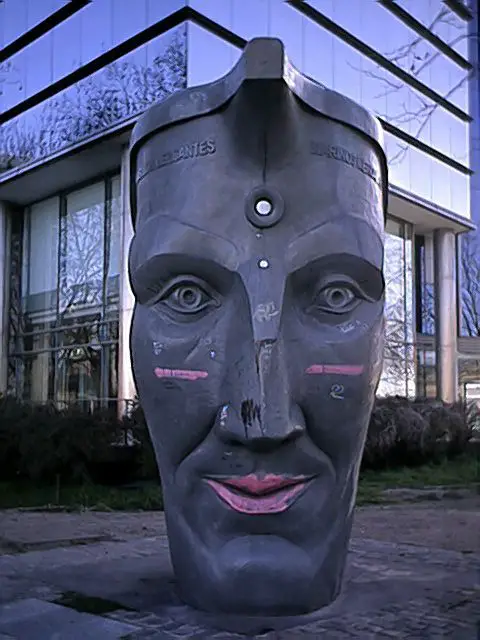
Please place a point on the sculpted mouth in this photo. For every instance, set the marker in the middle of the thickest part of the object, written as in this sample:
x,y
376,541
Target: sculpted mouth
x,y
255,496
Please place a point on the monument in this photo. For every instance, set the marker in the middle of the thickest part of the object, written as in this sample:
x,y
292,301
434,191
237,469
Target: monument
x,y
258,204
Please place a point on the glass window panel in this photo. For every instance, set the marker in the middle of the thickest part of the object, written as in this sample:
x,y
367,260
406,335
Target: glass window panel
x,y
469,383
66,350
82,250
409,282
126,22
159,10
369,21
318,54
393,380
459,141
347,74
425,286
251,18
39,370
96,29
398,375
289,25
398,155
421,182
81,38
115,242
18,16
67,50
441,184
117,92
384,93
427,177
436,16
36,78
78,367
209,57
221,11
460,188
14,20
426,375
469,272
40,288
12,81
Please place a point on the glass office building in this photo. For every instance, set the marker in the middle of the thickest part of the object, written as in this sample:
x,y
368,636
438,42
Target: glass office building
x,y
74,77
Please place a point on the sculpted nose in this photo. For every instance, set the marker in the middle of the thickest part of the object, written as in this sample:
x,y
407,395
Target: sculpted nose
x,y
265,418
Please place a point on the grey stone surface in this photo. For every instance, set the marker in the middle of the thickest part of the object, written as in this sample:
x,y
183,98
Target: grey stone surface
x,y
32,619
392,590
258,205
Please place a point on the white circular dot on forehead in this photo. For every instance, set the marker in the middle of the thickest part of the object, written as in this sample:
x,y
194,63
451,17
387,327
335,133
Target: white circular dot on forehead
x,y
263,264
263,207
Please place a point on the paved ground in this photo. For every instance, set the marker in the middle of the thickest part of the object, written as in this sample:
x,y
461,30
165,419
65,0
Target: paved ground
x,y
413,572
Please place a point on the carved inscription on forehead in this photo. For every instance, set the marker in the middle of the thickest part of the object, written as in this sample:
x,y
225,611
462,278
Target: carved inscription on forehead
x,y
344,155
187,151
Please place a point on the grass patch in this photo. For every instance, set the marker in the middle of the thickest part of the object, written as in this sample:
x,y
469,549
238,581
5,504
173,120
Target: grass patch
x,y
89,604
464,470
146,497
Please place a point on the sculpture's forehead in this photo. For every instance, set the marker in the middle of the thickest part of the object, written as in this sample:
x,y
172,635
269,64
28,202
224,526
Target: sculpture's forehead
x,y
202,175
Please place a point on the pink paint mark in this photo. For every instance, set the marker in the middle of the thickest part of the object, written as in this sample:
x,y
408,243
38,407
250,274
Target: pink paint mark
x,y
275,496
337,369
180,374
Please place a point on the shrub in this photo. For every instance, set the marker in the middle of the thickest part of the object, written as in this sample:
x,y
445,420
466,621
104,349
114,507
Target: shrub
x,y
405,432
41,443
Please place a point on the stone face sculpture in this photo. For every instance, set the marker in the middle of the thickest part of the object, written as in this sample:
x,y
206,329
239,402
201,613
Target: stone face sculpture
x,y
258,204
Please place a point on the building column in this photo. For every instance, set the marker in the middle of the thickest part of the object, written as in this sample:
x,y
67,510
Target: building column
x,y
444,253
126,385
4,293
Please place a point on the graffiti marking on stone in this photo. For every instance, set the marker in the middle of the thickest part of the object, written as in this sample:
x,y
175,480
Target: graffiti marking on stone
x,y
337,391
265,312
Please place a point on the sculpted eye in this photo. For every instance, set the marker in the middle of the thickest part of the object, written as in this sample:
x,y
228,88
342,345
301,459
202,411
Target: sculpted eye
x,y
338,297
187,296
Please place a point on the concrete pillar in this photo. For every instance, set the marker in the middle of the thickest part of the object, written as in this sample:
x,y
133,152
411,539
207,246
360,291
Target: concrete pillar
x,y
4,292
444,253
126,385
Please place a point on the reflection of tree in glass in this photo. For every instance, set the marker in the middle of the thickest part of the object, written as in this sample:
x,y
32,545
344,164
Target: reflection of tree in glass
x,y
81,259
9,75
117,92
395,372
416,57
470,264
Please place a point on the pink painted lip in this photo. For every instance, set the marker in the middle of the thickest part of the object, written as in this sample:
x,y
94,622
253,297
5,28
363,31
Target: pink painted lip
x,y
338,369
259,496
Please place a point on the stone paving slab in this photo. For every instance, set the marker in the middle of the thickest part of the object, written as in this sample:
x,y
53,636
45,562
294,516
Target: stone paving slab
x,y
392,589
32,619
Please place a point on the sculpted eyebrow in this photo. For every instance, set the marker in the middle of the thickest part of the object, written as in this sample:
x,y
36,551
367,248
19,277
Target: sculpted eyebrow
x,y
152,274
368,277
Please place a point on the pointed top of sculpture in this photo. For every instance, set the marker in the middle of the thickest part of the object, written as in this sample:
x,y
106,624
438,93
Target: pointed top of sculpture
x,y
263,59
262,65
